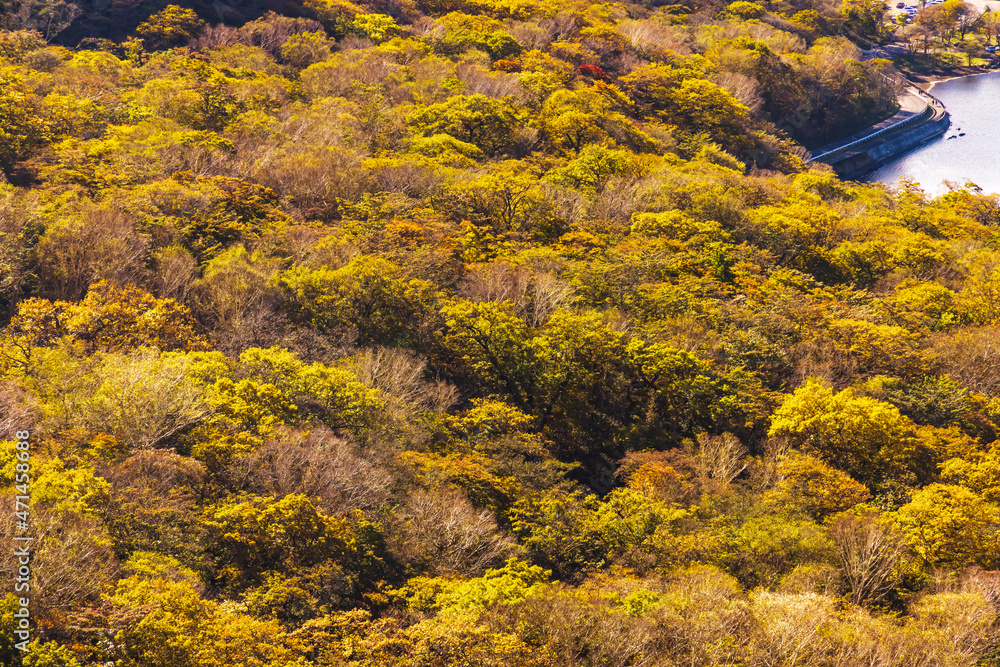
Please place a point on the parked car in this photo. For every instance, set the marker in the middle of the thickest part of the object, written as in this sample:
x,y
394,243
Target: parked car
x,y
900,5
991,49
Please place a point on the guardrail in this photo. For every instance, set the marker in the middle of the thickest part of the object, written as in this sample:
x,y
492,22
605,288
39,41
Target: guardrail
x,y
928,112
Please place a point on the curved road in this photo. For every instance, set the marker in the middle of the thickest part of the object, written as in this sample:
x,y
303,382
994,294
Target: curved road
x,y
911,103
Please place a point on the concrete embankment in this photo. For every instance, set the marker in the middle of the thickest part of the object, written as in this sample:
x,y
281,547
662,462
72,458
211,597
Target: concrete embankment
x,y
883,143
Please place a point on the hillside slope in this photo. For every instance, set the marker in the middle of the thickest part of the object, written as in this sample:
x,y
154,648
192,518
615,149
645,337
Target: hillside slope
x,y
502,333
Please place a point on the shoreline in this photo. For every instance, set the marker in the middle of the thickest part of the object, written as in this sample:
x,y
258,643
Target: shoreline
x,y
858,158
863,164
926,81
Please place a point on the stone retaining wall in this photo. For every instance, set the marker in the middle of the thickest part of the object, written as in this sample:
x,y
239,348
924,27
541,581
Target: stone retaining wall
x,y
865,160
869,155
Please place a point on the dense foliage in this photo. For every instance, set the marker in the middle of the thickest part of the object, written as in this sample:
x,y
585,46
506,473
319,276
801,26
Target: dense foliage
x,y
502,332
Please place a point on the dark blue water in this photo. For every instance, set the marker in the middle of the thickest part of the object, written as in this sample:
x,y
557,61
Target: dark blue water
x,y
974,105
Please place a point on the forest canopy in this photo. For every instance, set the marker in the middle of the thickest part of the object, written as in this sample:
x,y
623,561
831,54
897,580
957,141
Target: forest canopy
x,y
498,332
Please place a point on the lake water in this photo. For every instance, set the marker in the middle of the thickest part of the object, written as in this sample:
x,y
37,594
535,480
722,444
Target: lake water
x,y
974,105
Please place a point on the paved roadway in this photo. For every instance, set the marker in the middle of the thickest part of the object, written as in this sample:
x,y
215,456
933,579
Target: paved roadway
x,y
910,101
910,104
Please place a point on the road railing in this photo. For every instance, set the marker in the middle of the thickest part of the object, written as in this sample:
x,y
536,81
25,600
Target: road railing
x,y
928,112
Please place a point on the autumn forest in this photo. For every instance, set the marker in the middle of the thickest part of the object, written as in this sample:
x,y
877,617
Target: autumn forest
x,y
511,333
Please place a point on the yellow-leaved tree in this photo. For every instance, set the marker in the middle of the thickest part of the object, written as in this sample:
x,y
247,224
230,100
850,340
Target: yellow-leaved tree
x,y
866,438
951,526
